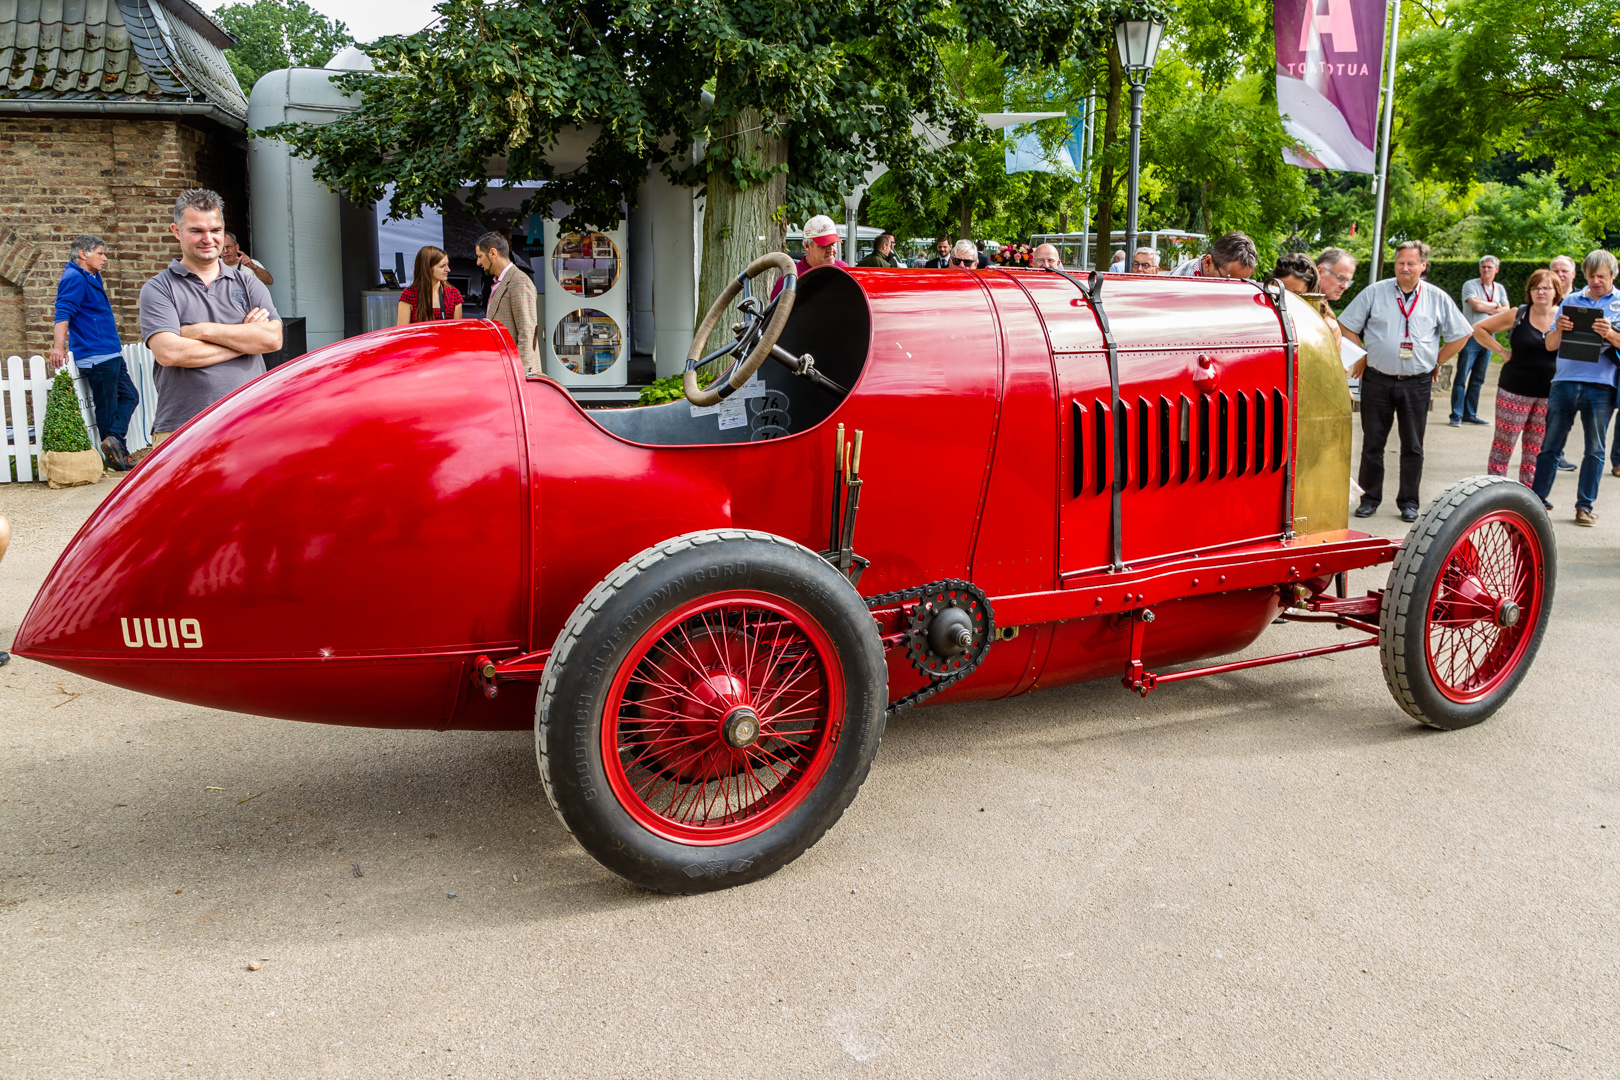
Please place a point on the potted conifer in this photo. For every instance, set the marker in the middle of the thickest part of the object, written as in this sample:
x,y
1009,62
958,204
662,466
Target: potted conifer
x,y
68,459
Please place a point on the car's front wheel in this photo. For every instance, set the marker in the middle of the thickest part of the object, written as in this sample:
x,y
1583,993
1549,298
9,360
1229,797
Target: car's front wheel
x,y
710,709
1467,602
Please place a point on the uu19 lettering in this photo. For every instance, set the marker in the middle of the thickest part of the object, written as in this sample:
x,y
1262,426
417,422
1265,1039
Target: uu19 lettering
x,y
162,633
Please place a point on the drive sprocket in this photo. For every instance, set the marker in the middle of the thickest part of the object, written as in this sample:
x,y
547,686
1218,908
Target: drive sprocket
x,y
948,631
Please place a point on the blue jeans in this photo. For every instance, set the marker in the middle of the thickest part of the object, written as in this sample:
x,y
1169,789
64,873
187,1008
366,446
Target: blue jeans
x,y
113,393
1593,403
1473,364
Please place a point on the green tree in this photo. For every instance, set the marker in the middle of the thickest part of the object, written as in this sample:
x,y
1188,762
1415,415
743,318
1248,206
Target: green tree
x,y
1535,80
1222,40
275,34
986,203
1531,221
1222,156
979,198
803,97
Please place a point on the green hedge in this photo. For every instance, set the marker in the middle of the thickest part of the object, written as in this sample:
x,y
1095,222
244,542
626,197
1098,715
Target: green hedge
x,y
1452,274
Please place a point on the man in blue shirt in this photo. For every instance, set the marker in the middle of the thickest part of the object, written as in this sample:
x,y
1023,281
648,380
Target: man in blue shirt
x,y
84,319
1583,388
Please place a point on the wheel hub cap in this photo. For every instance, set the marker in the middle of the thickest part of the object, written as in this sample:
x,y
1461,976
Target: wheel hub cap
x,y
1507,614
740,728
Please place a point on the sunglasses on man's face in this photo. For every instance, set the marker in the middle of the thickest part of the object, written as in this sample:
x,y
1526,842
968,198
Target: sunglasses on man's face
x,y
1144,265
964,262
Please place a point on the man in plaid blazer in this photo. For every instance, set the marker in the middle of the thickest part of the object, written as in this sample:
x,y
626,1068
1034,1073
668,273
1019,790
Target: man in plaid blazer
x,y
512,300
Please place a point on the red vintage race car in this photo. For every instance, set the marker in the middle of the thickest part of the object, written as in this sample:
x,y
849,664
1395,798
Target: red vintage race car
x,y
908,487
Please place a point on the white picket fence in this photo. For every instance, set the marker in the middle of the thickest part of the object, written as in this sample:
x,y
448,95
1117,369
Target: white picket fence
x,y
23,387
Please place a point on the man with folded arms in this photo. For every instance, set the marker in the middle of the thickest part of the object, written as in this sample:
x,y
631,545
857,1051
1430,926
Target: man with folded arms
x,y
208,325
1482,297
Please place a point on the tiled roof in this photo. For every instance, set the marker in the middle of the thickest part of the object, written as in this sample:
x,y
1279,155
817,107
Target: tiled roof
x,y
115,50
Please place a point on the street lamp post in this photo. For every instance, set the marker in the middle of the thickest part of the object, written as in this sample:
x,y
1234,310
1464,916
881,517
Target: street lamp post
x,y
1138,42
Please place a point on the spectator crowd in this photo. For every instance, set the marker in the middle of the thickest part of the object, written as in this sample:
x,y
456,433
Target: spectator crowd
x,y
209,320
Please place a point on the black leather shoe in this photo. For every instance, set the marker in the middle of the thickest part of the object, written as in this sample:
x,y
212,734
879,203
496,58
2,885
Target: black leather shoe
x,y
1366,510
5,658
1409,514
1565,466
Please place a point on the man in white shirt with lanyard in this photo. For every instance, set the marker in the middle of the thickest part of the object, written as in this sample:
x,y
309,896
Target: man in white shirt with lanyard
x,y
1408,328
1482,297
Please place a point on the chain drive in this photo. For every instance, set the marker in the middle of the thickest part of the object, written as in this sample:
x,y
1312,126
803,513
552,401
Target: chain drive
x,y
924,593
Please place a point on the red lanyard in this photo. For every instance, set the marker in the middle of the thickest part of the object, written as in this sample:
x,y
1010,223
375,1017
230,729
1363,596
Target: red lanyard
x,y
1488,290
1406,312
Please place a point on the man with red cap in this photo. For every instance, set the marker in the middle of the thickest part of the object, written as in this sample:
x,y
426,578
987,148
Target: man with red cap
x,y
820,248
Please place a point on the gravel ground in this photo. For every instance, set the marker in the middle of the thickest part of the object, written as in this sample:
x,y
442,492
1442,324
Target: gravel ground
x,y
1271,873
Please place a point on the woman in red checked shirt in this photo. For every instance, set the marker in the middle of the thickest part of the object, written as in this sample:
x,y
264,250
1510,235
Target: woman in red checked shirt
x,y
430,296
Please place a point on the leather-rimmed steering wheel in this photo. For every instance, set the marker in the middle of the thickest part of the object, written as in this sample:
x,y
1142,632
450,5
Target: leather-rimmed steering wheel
x,y
756,334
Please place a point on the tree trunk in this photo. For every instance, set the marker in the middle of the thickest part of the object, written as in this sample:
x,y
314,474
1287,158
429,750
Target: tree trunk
x,y
965,231
1105,183
741,223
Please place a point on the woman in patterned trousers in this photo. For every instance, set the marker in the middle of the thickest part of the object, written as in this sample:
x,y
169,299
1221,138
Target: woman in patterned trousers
x,y
1526,379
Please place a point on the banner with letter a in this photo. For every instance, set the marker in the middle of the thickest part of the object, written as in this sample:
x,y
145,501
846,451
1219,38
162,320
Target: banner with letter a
x,y
1328,55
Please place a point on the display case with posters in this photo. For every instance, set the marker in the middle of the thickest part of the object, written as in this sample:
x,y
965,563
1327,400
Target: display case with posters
x,y
587,342
586,313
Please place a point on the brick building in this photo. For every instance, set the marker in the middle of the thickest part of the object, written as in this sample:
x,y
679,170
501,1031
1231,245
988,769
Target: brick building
x,y
108,109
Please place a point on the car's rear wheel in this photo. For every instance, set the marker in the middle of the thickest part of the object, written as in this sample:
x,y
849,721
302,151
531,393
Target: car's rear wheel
x,y
1467,602
710,709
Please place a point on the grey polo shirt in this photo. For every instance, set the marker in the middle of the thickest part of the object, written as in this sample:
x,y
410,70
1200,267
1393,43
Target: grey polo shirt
x,y
1474,289
175,298
1375,317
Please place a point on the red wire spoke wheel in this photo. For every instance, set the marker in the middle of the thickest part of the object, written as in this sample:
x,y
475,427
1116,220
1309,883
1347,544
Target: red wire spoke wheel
x,y
1467,603
1488,591
723,716
710,709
